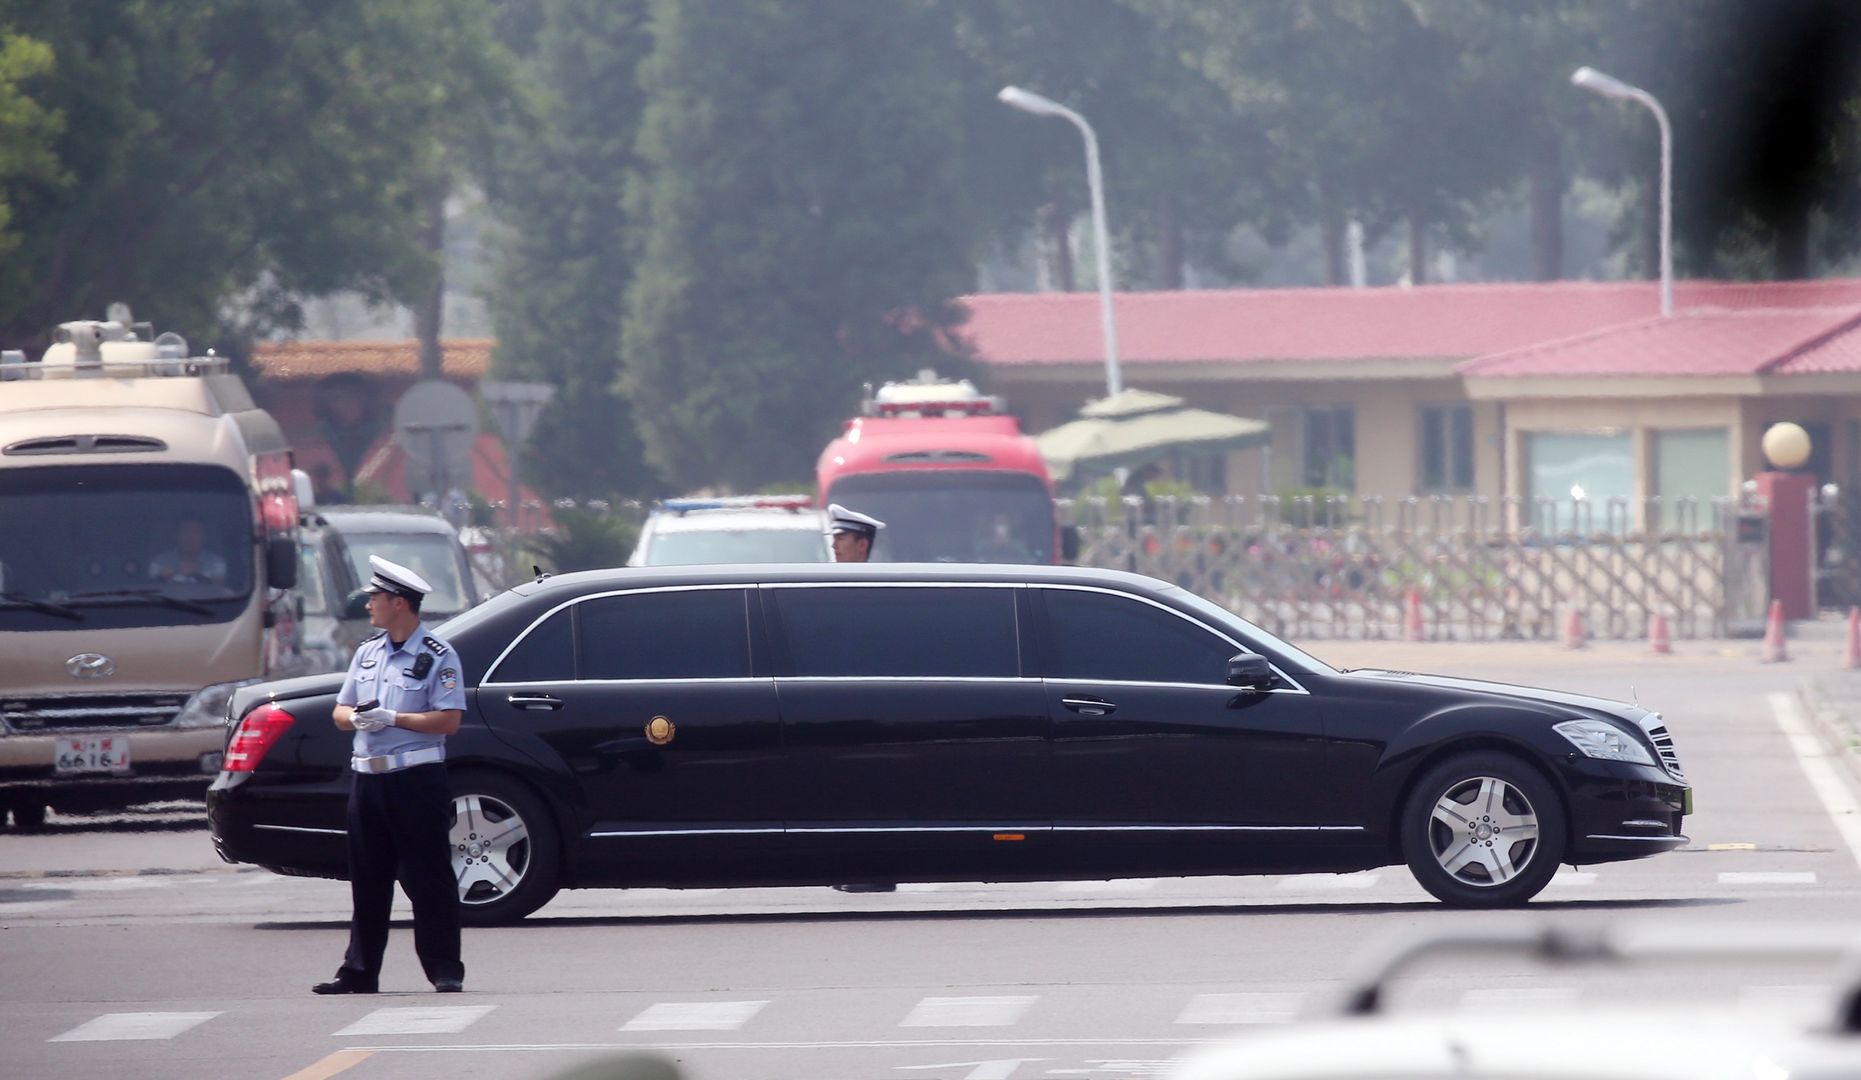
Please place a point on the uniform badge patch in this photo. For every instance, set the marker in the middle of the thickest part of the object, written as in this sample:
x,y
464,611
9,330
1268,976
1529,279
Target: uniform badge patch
x,y
448,678
435,644
366,664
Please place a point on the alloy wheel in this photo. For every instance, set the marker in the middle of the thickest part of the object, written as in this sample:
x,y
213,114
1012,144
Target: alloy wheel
x,y
1483,832
490,848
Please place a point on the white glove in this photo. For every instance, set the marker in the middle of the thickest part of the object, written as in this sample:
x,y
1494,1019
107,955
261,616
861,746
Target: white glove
x,y
375,719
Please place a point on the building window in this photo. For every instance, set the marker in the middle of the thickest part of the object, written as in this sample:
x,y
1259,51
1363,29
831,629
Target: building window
x,y
1447,448
1330,451
1578,473
1695,464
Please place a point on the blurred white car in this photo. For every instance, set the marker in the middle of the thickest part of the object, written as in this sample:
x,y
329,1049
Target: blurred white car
x,y
1673,1039
748,529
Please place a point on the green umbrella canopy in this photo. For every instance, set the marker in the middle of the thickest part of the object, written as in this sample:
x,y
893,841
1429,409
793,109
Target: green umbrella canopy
x,y
1136,427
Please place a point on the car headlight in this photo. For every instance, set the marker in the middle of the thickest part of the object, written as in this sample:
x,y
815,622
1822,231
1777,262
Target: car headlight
x,y
207,708
1603,740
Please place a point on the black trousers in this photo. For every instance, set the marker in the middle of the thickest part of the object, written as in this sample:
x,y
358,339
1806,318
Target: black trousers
x,y
398,828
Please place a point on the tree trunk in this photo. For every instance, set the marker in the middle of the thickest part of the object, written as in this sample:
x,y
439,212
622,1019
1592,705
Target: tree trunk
x,y
1793,246
1418,248
1331,236
1547,210
1059,230
1169,245
429,309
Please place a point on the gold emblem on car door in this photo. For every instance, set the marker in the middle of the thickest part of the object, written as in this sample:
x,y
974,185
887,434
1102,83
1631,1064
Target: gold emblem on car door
x,y
659,731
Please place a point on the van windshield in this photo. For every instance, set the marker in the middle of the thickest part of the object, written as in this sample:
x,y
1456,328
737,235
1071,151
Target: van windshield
x,y
104,546
433,556
958,516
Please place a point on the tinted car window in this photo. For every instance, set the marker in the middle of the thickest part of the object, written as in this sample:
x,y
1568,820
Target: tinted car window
x,y
899,631
546,654
700,634
1104,637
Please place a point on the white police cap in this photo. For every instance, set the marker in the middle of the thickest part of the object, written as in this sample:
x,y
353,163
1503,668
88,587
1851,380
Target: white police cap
x,y
394,578
840,519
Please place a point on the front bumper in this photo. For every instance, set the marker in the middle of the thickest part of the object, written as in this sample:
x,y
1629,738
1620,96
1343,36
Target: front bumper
x,y
1623,811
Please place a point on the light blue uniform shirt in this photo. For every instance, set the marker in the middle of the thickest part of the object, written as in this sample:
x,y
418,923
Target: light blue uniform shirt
x,y
381,672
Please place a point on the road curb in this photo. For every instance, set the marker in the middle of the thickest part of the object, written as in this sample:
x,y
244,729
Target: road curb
x,y
1834,729
146,871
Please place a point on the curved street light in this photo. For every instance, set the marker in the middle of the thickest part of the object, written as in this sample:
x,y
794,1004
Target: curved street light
x,y
1030,102
1610,87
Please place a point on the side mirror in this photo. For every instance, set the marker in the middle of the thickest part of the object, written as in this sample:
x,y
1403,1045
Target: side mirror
x,y
356,605
1069,543
1250,671
281,562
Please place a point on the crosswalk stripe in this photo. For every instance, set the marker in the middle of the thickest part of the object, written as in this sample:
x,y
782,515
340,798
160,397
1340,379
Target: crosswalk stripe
x,y
1573,878
1768,877
422,1020
1328,881
1518,997
1257,1008
1116,885
967,1012
122,1027
103,884
694,1016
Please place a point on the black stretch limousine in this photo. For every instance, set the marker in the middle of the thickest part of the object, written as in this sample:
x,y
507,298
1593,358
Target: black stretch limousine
x,y
809,724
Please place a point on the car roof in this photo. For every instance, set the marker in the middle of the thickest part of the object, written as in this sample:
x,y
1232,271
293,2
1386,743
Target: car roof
x,y
777,573
386,519
745,520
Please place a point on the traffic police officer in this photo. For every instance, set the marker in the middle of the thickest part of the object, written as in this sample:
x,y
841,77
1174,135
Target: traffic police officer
x,y
852,533
405,693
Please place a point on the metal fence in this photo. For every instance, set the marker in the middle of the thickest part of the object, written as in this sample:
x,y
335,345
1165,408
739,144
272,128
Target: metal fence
x,y
1479,568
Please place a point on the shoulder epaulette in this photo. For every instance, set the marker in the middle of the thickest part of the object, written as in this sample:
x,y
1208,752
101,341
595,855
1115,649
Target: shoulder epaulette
x,y
436,645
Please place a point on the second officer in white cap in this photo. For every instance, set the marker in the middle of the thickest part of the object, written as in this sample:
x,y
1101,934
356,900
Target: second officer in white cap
x,y
851,533
405,693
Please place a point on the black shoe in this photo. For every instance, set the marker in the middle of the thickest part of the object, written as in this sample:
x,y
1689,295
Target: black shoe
x,y
448,986
341,986
868,887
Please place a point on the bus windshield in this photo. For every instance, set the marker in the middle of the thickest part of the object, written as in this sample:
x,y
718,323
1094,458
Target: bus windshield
x,y
104,546
953,515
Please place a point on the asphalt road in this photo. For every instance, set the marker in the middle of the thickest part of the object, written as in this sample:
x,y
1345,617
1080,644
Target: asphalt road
x,y
128,948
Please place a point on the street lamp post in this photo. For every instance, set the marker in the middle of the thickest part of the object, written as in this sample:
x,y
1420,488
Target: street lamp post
x,y
1030,102
1596,82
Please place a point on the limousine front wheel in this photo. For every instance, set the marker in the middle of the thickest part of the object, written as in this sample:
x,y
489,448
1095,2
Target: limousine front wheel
x,y
504,849
1483,830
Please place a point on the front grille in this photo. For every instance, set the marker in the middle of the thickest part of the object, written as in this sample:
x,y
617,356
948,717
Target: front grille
x,y
1664,745
103,712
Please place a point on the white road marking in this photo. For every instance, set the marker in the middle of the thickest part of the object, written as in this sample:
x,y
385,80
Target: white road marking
x,y
1228,1009
122,1027
1116,885
1768,877
420,1020
1836,796
1573,878
101,884
1109,1067
1794,1000
1328,881
28,907
999,1069
1517,997
695,1016
967,1012
920,886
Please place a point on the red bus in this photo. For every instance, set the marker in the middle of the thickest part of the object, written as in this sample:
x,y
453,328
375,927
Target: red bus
x,y
951,475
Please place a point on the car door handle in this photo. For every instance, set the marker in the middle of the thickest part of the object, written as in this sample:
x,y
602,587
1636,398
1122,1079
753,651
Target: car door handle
x,y
535,701
1089,706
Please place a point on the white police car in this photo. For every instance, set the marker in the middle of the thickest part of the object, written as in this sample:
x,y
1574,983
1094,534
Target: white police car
x,y
746,529
1668,1037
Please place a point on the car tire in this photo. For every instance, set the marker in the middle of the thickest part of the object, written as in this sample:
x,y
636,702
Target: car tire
x,y
1483,830
28,815
505,850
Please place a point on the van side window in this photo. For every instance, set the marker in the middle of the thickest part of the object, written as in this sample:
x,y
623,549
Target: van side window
x,y
695,634
1109,638
546,654
900,632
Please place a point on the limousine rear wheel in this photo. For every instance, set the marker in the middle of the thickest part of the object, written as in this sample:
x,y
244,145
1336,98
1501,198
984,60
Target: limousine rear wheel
x,y
505,852
1483,830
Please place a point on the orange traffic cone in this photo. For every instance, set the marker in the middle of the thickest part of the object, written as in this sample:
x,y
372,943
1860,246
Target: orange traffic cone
x,y
1573,629
1851,653
1774,650
1658,640
1412,616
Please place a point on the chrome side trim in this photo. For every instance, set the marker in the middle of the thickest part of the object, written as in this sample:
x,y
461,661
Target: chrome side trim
x,y
853,829
302,829
624,682
1208,828
681,832
907,678
1669,838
